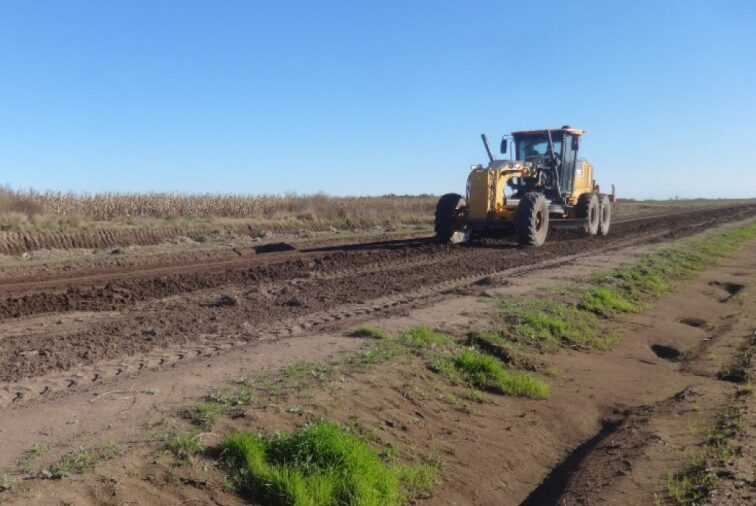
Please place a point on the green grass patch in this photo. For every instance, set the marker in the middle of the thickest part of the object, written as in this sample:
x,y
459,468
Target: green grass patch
x,y
486,373
305,369
217,403
418,339
695,483
318,465
380,352
511,352
242,396
75,462
31,455
551,321
6,482
182,444
690,488
606,302
203,414
580,315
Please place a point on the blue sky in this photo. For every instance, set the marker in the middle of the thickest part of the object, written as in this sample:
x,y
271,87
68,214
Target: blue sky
x,y
371,97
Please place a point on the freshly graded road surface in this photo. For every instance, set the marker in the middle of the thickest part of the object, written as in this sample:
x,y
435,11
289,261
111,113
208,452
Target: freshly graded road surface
x,y
61,327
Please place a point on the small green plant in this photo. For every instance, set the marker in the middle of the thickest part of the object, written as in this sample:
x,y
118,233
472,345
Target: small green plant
x,y
75,462
302,370
382,351
747,389
486,373
513,353
479,397
112,450
182,444
31,455
203,414
318,465
694,484
243,396
6,482
691,487
554,321
418,339
606,302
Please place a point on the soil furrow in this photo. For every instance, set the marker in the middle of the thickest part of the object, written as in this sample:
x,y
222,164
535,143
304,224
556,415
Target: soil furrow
x,y
207,306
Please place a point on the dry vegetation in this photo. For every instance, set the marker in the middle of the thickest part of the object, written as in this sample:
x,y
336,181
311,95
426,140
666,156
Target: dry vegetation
x,y
31,210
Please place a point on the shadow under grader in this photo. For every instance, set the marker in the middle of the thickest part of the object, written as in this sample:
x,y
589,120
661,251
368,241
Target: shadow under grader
x,y
375,245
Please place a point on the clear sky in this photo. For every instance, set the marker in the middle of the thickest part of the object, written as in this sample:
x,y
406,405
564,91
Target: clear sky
x,y
352,97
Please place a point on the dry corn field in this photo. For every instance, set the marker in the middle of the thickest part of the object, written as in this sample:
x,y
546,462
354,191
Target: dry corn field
x,y
31,210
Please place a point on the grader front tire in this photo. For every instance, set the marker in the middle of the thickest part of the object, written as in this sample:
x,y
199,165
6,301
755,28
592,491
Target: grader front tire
x,y
605,215
588,209
532,219
448,216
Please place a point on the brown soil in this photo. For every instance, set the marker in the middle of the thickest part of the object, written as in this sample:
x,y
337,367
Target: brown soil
x,y
277,293
89,358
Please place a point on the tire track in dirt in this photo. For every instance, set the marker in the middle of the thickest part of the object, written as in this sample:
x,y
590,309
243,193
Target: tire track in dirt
x,y
113,291
196,320
82,377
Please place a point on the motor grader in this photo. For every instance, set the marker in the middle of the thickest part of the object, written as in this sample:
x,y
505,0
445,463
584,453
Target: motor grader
x,y
543,185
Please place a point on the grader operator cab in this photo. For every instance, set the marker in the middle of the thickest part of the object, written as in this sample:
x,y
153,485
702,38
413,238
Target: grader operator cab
x,y
543,184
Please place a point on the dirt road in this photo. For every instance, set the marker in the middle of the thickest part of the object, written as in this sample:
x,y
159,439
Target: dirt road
x,y
74,325
94,352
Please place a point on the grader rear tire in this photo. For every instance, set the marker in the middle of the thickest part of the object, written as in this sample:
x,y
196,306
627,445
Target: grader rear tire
x,y
448,216
532,219
605,215
588,208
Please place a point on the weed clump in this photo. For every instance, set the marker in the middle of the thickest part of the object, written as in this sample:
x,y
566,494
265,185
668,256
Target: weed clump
x,y
182,444
606,302
203,414
511,352
694,484
486,373
6,482
418,339
552,321
318,465
75,462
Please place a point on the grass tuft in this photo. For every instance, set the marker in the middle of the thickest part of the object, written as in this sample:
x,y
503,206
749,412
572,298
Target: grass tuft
x,y
553,322
607,302
511,352
75,462
226,396
419,339
318,465
203,414
486,373
6,482
31,455
182,444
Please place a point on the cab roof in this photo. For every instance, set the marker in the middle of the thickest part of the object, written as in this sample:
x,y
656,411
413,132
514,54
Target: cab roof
x,y
567,129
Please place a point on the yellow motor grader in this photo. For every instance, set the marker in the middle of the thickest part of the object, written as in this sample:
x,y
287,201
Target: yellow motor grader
x,y
543,185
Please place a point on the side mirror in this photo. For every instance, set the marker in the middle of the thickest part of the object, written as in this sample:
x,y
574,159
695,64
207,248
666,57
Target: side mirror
x,y
503,148
575,143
